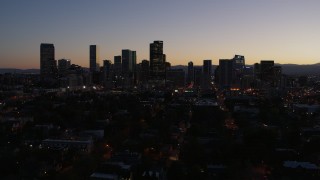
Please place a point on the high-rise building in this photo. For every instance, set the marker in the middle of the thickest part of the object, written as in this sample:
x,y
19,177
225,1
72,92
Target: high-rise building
x,y
238,62
231,72
225,73
190,76
145,70
207,67
93,58
145,65
63,66
128,67
157,61
133,63
107,69
266,69
117,65
128,61
206,73
48,65
238,67
256,70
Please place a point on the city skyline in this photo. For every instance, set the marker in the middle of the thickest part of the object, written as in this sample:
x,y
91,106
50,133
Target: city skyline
x,y
284,31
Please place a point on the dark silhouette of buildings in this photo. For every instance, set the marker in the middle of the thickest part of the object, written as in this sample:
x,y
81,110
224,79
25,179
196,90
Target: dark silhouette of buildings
x,y
175,78
238,66
107,70
231,72
225,73
190,75
144,71
238,62
197,76
128,66
93,58
117,65
269,74
129,61
157,61
63,66
207,67
266,69
48,65
206,75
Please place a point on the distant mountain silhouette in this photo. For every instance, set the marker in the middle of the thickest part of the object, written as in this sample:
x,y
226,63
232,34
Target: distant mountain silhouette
x,y
19,71
289,69
295,69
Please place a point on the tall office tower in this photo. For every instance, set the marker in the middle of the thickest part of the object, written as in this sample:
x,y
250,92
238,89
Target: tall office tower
x,y
128,61
117,65
266,70
238,62
207,66
190,76
133,63
238,66
256,70
63,66
107,69
48,65
225,73
126,57
157,61
145,70
93,58
206,73
145,65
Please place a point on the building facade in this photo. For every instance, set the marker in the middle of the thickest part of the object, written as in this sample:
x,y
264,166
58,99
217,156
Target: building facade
x,y
93,58
190,76
157,61
63,66
48,65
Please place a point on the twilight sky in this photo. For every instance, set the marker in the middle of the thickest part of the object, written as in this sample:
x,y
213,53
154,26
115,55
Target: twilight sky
x,y
287,31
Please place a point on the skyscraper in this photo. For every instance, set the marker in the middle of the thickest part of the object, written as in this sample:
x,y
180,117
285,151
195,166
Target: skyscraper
x,y
207,66
266,69
231,72
133,61
48,65
157,61
225,73
128,61
117,65
238,66
63,66
190,76
256,69
145,71
206,73
107,69
238,62
93,58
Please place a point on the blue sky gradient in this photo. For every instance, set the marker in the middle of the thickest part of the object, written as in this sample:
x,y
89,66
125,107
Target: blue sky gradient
x,y
286,31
